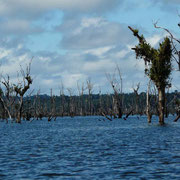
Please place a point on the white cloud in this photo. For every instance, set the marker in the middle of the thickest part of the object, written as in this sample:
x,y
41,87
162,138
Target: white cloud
x,y
49,69
18,17
121,54
170,6
17,26
98,51
38,6
70,80
154,40
167,1
4,52
92,44
91,33
88,23
95,67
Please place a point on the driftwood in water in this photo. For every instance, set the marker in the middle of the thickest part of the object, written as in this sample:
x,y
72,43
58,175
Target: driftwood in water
x,y
106,116
128,114
177,117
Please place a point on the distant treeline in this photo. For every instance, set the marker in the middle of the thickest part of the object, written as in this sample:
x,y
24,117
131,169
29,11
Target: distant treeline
x,y
16,105
94,104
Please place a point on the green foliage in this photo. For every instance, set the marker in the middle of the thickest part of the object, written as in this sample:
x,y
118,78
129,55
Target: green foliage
x,y
161,64
136,32
157,61
1,92
177,102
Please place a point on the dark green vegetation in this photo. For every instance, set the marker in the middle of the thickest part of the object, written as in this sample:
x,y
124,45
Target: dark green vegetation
x,y
36,107
158,66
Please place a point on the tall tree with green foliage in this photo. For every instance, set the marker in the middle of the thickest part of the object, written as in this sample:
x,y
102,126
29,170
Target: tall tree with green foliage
x,y
158,66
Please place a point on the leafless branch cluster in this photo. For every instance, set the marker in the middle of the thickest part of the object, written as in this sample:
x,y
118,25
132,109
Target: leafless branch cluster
x,y
174,41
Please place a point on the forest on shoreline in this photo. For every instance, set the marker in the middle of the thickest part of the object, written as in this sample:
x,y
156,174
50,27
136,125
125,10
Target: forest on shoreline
x,y
105,105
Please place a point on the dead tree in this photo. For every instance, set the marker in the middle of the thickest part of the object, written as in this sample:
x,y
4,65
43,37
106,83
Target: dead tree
x,y
100,102
177,107
62,100
136,97
52,110
116,84
29,107
38,107
103,111
90,90
81,90
7,98
21,88
148,105
71,105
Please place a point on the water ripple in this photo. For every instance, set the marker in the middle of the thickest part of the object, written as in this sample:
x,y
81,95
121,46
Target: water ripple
x,y
85,148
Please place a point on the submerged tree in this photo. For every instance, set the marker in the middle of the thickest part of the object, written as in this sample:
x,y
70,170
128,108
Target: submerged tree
x,y
7,97
116,83
135,89
158,66
21,88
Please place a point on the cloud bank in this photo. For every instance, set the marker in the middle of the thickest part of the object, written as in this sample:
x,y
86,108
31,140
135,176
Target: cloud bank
x,y
88,43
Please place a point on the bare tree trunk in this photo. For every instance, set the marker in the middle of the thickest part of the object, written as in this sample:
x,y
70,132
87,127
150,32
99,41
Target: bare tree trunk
x,y
177,117
117,85
90,88
7,98
137,98
62,101
120,98
81,90
114,106
19,113
6,109
178,60
22,88
177,112
161,104
71,106
149,115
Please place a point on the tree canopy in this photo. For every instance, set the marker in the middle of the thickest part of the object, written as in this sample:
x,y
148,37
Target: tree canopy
x,y
158,64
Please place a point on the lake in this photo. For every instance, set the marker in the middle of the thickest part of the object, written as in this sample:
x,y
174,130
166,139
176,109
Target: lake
x,y
90,148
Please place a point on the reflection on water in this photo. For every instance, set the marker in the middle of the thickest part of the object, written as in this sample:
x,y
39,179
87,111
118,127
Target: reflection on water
x,y
86,148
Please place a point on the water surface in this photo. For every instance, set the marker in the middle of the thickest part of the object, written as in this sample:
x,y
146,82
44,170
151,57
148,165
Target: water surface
x,y
90,148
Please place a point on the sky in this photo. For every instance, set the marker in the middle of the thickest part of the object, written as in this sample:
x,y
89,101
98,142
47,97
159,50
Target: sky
x,y
72,41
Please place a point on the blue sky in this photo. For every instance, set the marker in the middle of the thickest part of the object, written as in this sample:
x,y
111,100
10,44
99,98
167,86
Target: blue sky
x,y
74,40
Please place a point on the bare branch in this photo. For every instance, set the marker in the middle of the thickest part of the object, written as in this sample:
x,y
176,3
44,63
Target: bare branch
x,y
165,29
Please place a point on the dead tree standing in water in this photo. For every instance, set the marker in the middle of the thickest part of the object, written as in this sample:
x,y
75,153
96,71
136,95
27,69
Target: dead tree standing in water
x,y
62,100
71,104
148,105
21,88
116,85
136,98
90,88
177,105
52,110
7,98
81,90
